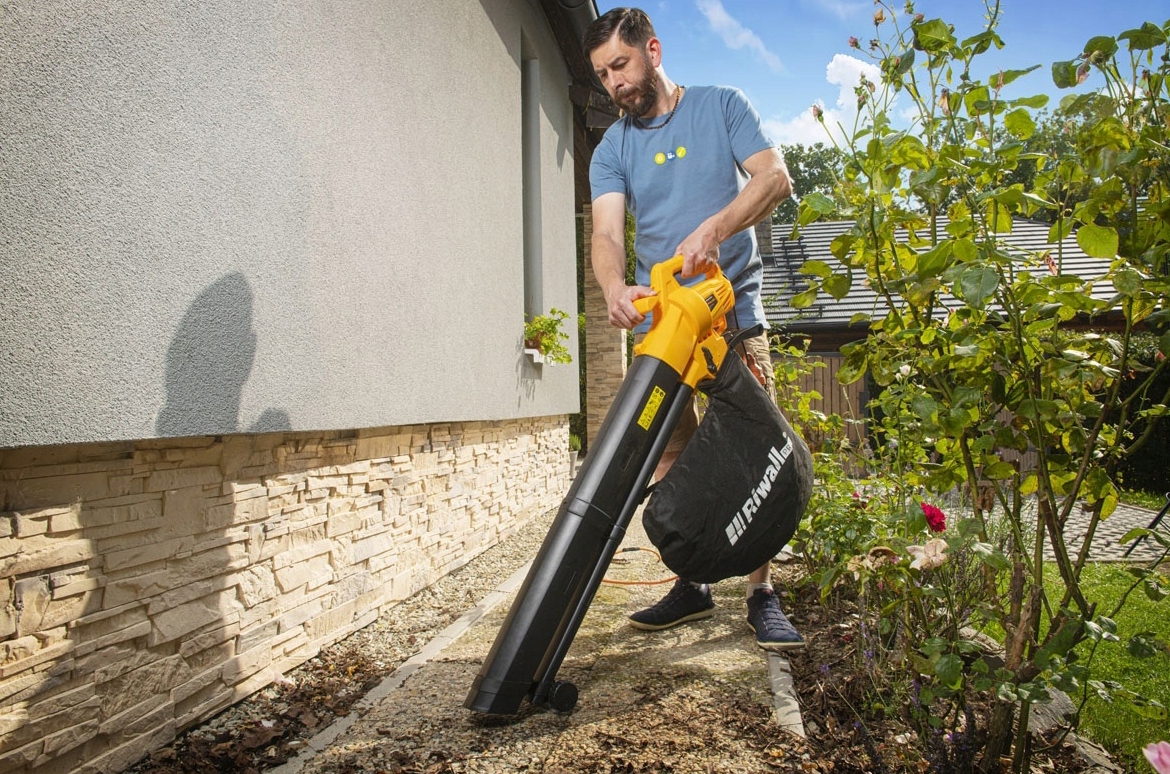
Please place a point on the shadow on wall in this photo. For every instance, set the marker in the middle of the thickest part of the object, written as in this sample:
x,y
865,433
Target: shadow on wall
x,y
209,362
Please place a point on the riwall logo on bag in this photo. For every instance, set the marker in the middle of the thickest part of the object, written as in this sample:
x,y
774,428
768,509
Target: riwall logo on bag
x,y
740,522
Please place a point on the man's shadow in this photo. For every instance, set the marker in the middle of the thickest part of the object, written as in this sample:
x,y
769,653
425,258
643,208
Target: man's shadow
x,y
208,363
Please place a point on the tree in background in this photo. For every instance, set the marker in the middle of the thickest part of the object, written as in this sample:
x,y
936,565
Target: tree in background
x,y
814,169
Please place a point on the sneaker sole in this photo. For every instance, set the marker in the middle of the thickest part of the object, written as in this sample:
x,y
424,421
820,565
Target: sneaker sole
x,y
777,647
647,627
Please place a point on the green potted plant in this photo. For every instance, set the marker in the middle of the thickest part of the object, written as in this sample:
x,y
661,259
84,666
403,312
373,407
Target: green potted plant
x,y
574,451
544,340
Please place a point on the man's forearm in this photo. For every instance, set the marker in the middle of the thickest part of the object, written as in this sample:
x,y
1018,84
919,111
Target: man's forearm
x,y
609,265
762,194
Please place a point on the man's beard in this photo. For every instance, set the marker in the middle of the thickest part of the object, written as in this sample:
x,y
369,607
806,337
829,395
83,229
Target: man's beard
x,y
639,100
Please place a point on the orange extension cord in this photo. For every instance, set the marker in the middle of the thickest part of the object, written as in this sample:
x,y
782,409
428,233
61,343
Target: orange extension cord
x,y
639,582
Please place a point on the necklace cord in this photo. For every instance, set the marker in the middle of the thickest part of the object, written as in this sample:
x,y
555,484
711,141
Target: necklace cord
x,y
677,98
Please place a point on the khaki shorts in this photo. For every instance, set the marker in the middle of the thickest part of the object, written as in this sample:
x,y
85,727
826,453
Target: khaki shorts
x,y
688,421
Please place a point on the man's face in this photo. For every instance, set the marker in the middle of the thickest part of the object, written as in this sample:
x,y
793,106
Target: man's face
x,y
628,74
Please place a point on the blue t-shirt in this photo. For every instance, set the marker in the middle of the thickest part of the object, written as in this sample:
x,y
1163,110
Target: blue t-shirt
x,y
676,177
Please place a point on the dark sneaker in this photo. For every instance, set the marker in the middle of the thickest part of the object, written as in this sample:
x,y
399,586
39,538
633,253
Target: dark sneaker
x,y
772,628
682,603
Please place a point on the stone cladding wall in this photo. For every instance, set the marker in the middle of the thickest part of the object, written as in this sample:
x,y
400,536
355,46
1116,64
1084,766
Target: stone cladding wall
x,y
146,586
605,355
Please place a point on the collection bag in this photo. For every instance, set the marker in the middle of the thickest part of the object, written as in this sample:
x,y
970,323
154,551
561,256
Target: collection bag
x,y
738,490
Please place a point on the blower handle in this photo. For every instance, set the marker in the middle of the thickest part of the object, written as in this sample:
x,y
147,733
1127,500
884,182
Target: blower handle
x,y
663,280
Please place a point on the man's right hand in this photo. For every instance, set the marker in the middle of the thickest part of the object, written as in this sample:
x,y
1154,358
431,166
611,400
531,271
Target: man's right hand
x,y
622,313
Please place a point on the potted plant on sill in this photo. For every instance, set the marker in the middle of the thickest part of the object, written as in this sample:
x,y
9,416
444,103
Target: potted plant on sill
x,y
544,341
574,450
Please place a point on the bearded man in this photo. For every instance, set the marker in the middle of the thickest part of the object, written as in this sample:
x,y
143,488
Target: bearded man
x,y
694,167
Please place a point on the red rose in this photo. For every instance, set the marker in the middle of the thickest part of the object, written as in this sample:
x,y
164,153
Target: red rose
x,y
935,519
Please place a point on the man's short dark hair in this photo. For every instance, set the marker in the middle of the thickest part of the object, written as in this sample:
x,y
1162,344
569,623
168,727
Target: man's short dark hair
x,y
631,24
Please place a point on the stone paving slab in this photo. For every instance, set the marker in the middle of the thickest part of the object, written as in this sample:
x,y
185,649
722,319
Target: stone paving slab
x,y
1107,543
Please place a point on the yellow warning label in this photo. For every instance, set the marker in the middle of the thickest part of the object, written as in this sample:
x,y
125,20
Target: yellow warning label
x,y
651,409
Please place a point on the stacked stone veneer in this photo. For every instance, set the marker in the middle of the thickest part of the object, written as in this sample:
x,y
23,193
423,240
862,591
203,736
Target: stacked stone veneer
x,y
146,586
605,354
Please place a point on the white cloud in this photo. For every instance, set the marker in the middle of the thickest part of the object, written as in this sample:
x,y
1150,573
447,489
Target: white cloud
x,y
735,35
845,73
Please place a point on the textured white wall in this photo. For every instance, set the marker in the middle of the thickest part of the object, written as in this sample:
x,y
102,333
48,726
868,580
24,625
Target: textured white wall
x,y
228,217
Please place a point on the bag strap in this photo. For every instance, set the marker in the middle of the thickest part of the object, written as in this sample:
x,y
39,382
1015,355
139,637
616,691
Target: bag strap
x,y
744,334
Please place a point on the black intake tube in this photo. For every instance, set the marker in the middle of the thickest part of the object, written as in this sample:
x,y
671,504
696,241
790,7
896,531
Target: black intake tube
x,y
582,540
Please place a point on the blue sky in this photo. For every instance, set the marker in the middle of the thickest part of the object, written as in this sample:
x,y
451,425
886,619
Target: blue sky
x,y
789,54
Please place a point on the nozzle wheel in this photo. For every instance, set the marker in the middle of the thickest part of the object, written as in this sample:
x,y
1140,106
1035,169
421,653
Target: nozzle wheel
x,y
562,697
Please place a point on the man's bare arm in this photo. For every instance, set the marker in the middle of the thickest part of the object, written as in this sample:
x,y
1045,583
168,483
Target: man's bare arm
x,y
608,256
769,185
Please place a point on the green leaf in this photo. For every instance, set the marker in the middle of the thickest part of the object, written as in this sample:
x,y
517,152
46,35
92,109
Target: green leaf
x,y
999,470
804,299
818,202
1144,38
1059,230
818,268
978,284
991,556
905,62
1097,241
933,260
1064,74
853,368
933,35
1030,485
999,218
965,250
1007,76
949,670
1150,709
909,151
1019,122
1037,101
923,406
1164,344
841,245
1143,645
977,99
1105,44
1127,281
838,285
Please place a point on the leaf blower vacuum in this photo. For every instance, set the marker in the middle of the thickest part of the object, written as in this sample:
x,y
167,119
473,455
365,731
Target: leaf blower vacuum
x,y
730,502
683,346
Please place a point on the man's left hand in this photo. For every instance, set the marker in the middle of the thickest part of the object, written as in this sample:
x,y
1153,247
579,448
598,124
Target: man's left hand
x,y
700,251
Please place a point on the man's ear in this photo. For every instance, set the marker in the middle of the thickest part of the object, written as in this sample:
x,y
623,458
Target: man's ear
x,y
654,49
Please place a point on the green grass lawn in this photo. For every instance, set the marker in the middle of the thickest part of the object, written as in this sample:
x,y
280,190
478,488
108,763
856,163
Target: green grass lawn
x,y
1117,725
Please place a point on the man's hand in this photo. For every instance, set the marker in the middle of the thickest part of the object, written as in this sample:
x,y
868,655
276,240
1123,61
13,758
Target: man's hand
x,y
622,313
700,251
769,185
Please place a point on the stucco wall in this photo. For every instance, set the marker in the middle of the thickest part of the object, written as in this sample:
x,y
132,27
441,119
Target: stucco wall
x,y
231,217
